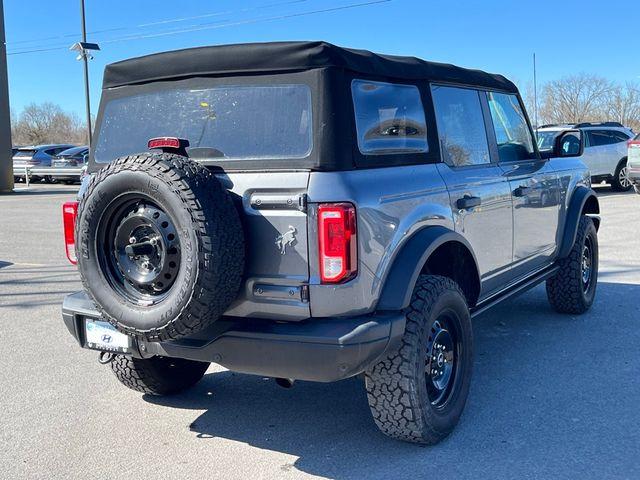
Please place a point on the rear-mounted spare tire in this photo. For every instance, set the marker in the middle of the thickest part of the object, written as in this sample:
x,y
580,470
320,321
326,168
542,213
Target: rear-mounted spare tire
x,y
160,246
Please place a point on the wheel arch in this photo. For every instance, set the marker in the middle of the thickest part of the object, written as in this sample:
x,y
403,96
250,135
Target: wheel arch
x,y
583,202
434,251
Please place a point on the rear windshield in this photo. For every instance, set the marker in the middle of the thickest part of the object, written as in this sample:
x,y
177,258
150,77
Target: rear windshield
x,y
221,123
24,153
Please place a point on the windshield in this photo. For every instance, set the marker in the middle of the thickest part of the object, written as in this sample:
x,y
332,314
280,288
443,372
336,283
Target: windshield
x,y
221,123
545,140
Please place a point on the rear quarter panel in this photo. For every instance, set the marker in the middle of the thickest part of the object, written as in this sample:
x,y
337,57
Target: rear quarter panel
x,y
391,205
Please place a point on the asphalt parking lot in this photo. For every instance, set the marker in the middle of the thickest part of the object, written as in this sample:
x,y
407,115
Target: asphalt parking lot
x,y
552,396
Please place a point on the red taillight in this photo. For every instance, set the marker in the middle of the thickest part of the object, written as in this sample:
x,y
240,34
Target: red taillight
x,y
337,243
69,213
633,142
164,142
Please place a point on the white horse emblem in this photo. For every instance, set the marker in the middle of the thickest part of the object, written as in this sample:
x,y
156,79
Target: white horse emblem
x,y
287,238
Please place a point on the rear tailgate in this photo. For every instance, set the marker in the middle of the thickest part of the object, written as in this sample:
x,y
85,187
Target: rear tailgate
x,y
277,258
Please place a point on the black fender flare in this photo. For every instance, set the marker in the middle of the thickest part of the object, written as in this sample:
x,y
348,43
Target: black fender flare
x,y
583,200
407,265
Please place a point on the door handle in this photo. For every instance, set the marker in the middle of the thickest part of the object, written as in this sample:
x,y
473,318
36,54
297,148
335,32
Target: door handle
x,y
522,191
467,202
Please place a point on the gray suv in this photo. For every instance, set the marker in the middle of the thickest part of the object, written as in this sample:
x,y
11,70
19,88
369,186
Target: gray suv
x,y
303,211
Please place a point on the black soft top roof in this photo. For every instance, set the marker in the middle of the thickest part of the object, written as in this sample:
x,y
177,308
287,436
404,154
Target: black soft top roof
x,y
289,56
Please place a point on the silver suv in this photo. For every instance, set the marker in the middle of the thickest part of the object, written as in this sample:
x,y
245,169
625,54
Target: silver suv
x,y
304,211
605,150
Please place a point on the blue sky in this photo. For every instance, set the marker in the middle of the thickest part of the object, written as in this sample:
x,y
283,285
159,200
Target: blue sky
x,y
567,36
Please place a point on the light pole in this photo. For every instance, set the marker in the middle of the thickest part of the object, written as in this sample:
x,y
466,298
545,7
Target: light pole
x,y
84,53
6,163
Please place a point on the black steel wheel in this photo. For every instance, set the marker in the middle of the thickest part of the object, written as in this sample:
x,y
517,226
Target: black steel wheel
x,y
573,288
160,246
418,393
140,249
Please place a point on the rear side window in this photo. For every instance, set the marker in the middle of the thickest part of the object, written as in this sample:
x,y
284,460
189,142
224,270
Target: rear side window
x,y
599,138
222,122
389,118
620,136
460,126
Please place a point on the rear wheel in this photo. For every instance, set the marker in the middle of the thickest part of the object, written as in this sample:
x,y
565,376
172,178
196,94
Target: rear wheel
x,y
418,393
620,182
157,375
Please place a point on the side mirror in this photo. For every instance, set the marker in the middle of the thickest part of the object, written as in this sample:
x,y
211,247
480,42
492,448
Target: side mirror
x,y
85,158
569,143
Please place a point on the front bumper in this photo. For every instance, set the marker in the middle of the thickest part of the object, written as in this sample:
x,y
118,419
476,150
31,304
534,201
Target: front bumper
x,y
319,349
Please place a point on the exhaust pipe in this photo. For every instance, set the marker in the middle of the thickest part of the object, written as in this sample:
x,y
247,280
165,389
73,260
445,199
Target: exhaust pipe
x,y
285,382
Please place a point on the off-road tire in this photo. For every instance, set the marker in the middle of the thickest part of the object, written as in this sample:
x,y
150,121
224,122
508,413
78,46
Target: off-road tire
x,y
157,375
616,184
397,385
207,226
566,289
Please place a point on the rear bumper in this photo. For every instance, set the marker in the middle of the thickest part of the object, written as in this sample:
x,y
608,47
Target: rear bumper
x,y
319,349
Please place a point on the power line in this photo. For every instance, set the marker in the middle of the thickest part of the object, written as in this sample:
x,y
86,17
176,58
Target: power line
x,y
210,26
150,24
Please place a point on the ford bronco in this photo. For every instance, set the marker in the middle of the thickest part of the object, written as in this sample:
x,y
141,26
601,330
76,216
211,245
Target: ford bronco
x,y
303,211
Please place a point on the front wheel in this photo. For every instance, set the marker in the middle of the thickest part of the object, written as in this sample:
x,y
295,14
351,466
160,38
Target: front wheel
x,y
620,182
573,288
417,394
157,375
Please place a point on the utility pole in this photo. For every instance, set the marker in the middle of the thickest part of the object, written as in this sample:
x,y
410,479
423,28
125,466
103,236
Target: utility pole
x,y
535,91
6,162
85,60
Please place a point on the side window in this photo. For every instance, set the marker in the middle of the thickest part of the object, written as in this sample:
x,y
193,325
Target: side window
x,y
52,151
389,118
461,127
620,136
599,138
515,141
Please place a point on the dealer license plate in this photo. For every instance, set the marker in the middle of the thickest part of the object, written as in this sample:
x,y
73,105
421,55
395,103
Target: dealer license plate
x,y
103,336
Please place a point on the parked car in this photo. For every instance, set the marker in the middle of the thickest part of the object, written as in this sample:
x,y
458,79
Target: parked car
x,y
37,156
605,150
73,158
326,213
633,162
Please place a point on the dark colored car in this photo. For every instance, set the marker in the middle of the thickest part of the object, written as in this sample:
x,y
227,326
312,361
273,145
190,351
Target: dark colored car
x,y
72,158
303,211
36,156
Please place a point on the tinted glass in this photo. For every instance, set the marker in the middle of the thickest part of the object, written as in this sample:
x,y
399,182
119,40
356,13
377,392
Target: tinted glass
x,y
389,118
75,151
599,138
221,123
24,153
461,126
545,140
513,135
620,136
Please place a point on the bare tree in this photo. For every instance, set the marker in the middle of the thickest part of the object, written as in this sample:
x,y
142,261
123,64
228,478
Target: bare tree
x,y
623,105
47,123
577,98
